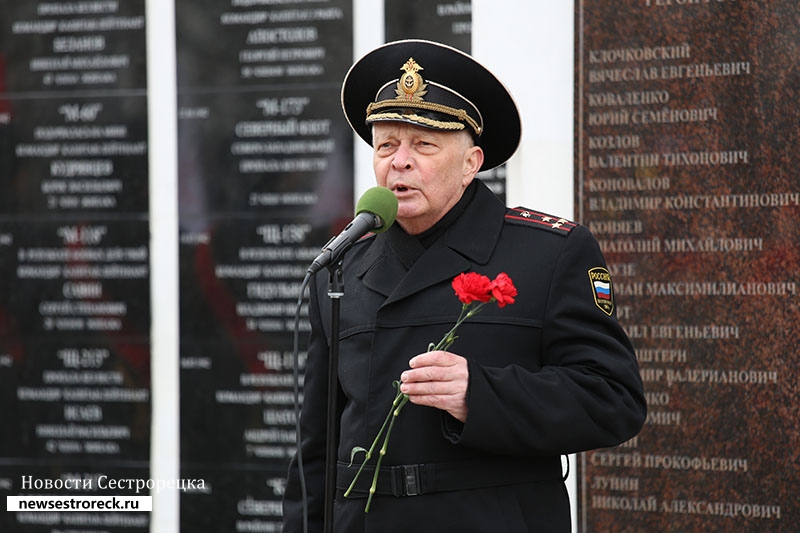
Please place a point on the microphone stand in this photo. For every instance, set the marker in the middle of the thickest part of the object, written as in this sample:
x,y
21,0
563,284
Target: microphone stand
x,y
335,293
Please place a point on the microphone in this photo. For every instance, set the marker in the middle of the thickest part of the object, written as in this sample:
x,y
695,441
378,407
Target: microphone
x,y
375,211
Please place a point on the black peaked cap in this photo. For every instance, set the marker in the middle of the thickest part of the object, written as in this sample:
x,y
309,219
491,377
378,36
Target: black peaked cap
x,y
451,91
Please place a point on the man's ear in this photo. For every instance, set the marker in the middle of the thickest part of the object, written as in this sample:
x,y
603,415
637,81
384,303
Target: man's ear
x,y
473,160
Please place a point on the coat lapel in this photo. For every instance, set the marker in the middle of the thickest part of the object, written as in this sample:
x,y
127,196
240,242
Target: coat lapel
x,y
381,269
438,264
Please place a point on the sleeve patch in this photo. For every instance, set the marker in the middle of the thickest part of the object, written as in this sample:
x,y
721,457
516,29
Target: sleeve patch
x,y
601,289
529,217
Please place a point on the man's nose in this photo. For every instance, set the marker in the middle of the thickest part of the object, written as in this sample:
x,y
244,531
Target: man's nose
x,y
402,159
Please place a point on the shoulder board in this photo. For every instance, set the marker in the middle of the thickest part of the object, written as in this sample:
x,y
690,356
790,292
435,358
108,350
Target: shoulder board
x,y
535,219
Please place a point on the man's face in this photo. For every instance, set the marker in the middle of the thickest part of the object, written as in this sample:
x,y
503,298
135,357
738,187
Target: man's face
x,y
426,169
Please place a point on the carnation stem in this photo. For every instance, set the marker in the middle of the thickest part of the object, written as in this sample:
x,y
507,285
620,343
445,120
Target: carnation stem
x,y
466,312
399,401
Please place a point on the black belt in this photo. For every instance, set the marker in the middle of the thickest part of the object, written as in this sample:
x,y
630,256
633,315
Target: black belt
x,y
416,479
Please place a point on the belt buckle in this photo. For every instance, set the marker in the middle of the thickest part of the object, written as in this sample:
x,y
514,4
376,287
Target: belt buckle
x,y
411,481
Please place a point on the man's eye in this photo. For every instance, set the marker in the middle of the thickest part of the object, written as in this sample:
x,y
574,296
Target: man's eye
x,y
426,146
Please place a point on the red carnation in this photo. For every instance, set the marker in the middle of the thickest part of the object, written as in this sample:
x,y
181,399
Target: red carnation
x,y
503,290
473,287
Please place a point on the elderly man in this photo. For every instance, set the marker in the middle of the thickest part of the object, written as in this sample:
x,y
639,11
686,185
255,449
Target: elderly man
x,y
478,447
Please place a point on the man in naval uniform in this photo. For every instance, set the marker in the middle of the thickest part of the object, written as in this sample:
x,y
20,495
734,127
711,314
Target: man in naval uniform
x,y
479,446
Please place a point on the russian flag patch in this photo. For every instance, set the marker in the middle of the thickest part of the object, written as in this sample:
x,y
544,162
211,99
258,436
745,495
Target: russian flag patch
x,y
601,289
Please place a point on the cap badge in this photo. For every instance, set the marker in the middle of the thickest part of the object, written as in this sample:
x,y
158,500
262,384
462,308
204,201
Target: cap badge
x,y
411,86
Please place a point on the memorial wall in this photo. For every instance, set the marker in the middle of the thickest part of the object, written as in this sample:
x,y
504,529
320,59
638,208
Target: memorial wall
x,y
686,171
75,404
265,178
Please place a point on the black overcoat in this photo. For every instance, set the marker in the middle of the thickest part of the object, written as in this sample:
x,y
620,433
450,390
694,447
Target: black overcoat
x,y
551,374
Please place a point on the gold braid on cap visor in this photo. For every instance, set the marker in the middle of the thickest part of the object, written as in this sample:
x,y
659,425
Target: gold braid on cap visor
x,y
460,114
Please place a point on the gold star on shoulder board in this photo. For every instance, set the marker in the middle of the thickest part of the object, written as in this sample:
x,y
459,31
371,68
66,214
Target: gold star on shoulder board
x,y
560,222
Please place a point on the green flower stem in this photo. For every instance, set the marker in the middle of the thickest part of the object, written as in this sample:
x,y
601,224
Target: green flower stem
x,y
467,311
389,418
394,412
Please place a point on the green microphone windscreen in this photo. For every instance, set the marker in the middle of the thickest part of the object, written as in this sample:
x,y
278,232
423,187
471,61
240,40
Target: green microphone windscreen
x,y
379,201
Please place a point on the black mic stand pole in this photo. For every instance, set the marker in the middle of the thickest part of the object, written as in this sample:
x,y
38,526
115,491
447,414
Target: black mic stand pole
x,y
335,293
